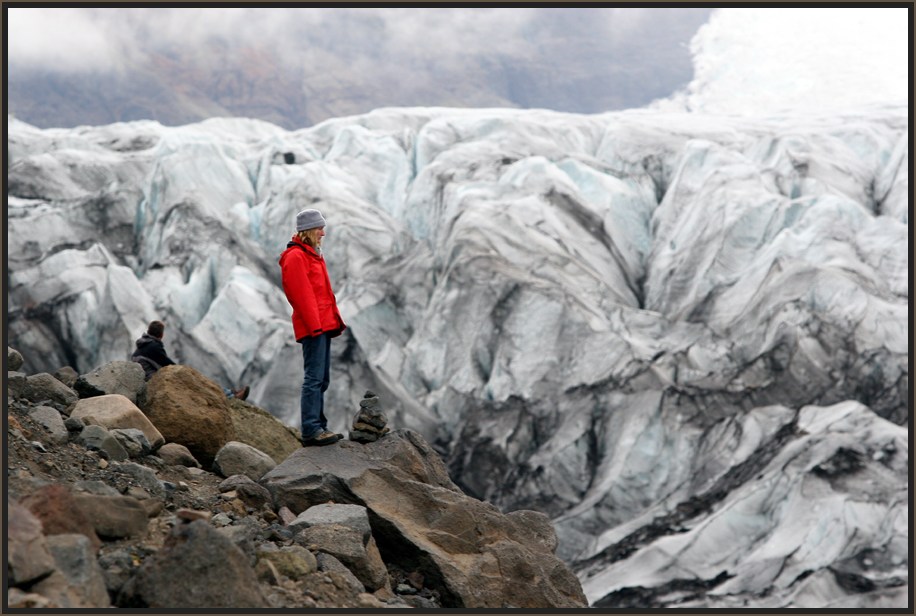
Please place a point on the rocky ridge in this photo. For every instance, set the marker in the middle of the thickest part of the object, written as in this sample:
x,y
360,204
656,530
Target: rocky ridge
x,y
128,494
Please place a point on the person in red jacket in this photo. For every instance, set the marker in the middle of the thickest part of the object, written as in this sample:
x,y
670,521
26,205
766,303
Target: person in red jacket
x,y
316,319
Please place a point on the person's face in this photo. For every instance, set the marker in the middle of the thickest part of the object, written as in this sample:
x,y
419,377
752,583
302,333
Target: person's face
x,y
317,235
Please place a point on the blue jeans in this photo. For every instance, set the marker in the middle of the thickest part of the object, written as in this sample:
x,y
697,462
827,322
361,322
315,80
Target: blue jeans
x,y
316,359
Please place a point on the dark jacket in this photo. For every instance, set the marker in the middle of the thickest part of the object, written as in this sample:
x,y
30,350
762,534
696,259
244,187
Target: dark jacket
x,y
308,290
151,355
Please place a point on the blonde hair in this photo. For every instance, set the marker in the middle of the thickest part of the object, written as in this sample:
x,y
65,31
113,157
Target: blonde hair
x,y
308,236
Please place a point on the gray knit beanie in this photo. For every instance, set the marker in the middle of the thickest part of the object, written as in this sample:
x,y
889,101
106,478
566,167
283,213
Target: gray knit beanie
x,y
309,219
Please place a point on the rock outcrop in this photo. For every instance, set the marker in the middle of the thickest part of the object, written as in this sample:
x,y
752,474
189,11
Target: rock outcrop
x,y
471,553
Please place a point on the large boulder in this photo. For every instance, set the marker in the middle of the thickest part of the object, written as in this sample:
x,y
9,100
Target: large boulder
x,y
116,411
118,377
189,409
43,386
256,427
197,567
473,555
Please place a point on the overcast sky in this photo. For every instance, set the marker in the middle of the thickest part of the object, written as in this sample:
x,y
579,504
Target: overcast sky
x,y
746,60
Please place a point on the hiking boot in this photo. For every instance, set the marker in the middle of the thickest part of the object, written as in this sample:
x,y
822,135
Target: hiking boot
x,y
322,438
242,393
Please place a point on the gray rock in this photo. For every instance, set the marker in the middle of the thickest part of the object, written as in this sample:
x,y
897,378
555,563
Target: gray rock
x,y
133,440
79,581
422,518
370,421
113,517
50,419
97,438
244,534
17,599
44,387
347,545
67,376
118,377
74,424
118,567
13,359
363,436
99,488
197,567
330,564
295,562
221,519
236,458
532,528
117,411
144,476
16,384
27,555
353,516
175,454
249,492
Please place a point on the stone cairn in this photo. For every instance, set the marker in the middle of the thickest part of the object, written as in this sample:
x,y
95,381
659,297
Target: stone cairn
x,y
369,422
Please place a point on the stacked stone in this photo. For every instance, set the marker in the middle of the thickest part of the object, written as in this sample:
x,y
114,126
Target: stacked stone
x,y
369,424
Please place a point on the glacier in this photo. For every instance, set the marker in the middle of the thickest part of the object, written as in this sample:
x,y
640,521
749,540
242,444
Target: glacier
x,y
682,336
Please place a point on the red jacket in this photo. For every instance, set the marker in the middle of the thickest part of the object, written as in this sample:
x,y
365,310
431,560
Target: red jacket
x,y
308,290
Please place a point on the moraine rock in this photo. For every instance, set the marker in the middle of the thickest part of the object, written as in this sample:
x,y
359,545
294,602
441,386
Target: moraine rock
x,y
113,517
97,438
177,455
256,427
43,386
13,359
248,491
197,567
116,411
79,581
27,555
56,506
50,419
295,562
358,552
470,550
118,377
67,375
236,458
133,441
190,409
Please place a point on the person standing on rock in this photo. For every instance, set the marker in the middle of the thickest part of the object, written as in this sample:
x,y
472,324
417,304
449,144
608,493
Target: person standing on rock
x,y
150,353
316,319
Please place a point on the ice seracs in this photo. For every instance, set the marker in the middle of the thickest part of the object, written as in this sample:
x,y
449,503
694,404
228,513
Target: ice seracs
x,y
601,317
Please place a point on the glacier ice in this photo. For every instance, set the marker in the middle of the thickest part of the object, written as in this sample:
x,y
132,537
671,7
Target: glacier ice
x,y
664,330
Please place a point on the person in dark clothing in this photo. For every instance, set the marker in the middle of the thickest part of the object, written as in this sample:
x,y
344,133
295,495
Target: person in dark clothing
x,y
150,353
